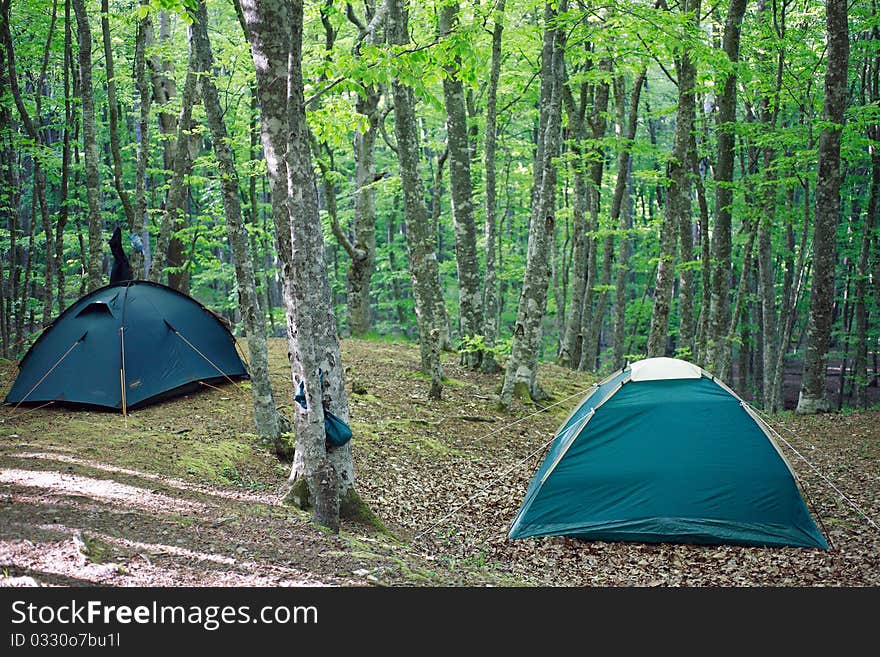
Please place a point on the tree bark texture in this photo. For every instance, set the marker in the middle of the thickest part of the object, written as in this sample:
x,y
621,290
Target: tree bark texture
x,y
469,287
113,114
145,98
812,398
490,284
719,317
678,205
172,218
90,147
522,365
424,271
275,34
266,418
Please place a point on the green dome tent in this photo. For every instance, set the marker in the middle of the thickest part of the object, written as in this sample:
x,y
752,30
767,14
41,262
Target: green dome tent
x,y
664,452
126,345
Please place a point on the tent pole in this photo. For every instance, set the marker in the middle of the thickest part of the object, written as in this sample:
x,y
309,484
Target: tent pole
x,y
122,374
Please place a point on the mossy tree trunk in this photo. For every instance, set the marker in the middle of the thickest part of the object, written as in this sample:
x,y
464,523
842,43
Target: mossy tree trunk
x,y
521,371
275,34
420,238
464,228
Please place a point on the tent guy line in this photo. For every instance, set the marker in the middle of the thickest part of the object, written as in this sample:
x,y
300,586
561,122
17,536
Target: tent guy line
x,y
210,362
830,483
51,369
523,419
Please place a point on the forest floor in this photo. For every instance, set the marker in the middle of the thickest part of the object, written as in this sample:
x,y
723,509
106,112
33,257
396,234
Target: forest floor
x,y
183,494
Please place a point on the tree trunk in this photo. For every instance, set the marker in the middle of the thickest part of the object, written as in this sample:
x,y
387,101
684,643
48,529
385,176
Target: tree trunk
x,y
420,239
598,127
268,424
678,206
275,34
719,318
490,285
363,255
621,216
572,339
173,217
860,294
705,260
813,398
362,252
113,114
469,287
90,147
522,365
139,220
164,93
64,209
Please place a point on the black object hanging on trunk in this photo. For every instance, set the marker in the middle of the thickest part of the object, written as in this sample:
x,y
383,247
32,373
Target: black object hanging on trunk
x,y
121,270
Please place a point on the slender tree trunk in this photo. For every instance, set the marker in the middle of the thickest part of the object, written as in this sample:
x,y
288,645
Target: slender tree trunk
x,y
705,260
678,205
572,339
424,271
113,114
598,127
469,284
522,365
620,215
813,398
268,424
845,332
490,284
719,318
139,220
90,147
860,294
789,310
8,212
362,251
766,273
363,255
64,209
25,290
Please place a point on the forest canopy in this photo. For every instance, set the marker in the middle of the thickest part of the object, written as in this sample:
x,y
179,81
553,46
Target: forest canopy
x,y
590,183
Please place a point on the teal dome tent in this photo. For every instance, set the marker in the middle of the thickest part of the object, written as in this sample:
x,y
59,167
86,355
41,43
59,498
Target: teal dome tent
x,y
664,452
127,345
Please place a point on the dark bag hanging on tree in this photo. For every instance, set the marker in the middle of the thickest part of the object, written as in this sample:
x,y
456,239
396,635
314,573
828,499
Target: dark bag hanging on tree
x,y
338,432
